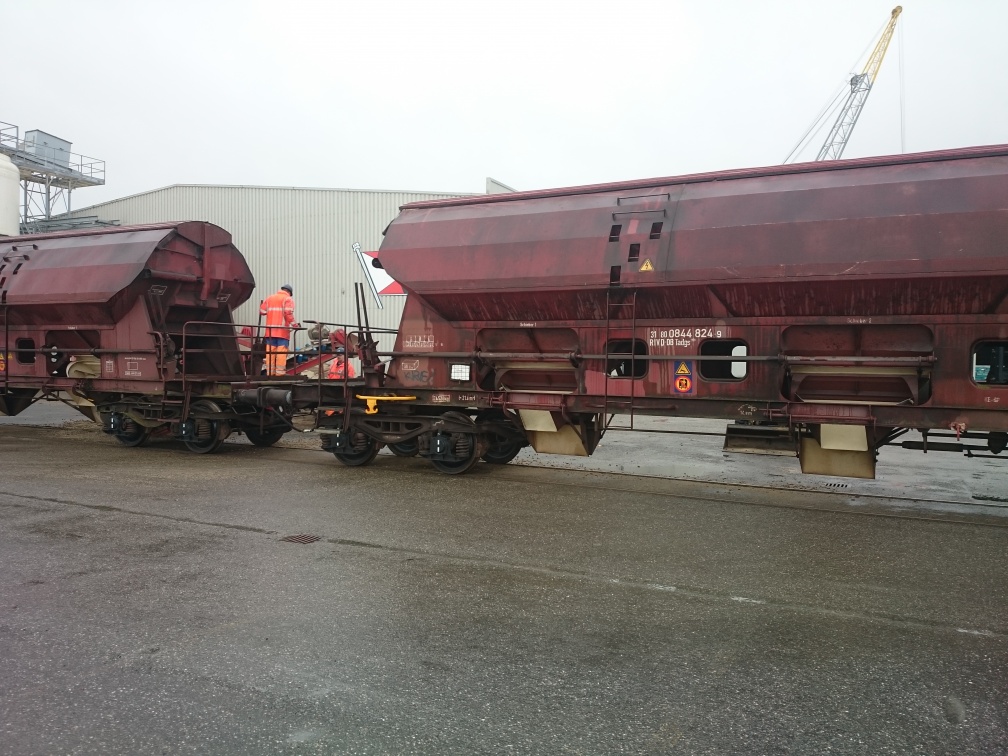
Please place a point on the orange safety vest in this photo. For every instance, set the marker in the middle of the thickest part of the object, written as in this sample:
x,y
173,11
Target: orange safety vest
x,y
340,369
279,311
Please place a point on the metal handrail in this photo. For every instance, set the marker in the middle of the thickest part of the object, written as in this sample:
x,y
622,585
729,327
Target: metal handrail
x,y
5,135
45,157
229,331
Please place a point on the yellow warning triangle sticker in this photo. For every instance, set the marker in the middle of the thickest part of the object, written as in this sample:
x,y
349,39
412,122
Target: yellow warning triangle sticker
x,y
683,369
647,266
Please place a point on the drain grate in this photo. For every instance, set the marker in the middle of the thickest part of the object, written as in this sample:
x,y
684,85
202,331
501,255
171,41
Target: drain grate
x,y
301,538
836,485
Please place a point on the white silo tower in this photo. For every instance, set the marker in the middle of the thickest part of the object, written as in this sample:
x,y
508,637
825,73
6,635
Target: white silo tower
x,y
10,193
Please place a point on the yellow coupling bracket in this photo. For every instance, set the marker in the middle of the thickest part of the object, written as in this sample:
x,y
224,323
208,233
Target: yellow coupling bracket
x,y
372,401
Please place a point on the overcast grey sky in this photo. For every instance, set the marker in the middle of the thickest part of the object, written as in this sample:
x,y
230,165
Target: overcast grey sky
x,y
437,95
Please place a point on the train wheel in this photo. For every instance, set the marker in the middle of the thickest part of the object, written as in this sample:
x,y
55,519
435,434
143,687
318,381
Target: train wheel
x,y
997,442
132,433
361,451
265,437
405,448
465,447
208,434
501,448
501,451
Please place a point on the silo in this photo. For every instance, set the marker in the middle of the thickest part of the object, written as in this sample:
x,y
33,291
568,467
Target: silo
x,y
10,192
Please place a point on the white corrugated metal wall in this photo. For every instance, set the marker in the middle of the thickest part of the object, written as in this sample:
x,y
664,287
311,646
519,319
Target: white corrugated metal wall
x,y
303,237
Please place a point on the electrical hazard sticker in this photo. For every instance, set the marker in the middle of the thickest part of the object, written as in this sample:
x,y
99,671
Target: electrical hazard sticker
x,y
647,267
682,382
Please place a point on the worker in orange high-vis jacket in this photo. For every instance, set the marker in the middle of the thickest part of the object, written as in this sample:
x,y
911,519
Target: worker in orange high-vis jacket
x,y
339,368
279,311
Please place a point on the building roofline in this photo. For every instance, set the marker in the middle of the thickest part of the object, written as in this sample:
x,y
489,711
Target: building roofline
x,y
275,188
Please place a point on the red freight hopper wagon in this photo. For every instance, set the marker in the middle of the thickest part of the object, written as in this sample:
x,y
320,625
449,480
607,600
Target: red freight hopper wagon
x,y
846,302
133,326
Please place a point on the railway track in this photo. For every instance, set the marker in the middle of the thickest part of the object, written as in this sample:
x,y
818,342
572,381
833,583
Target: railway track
x,y
834,496
838,496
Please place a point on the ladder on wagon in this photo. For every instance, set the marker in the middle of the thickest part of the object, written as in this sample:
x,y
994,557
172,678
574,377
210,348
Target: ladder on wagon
x,y
619,361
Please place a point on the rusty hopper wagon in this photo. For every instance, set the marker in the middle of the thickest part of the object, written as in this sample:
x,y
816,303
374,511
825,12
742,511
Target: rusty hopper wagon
x,y
133,326
845,303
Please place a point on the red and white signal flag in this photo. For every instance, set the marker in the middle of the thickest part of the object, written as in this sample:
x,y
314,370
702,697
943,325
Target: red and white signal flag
x,y
381,283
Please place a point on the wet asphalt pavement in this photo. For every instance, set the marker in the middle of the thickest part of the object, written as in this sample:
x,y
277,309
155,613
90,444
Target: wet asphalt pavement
x,y
148,605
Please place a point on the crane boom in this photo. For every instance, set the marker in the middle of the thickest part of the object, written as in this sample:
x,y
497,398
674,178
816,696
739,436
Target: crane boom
x,y
861,85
